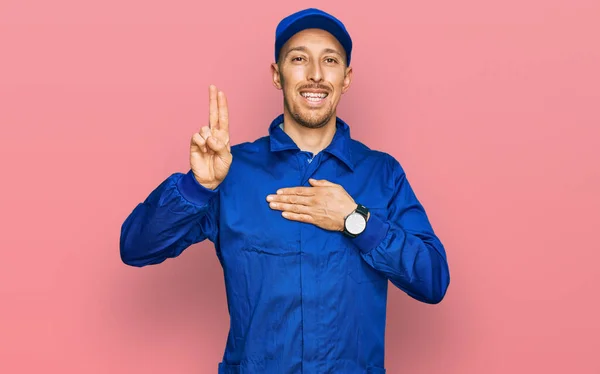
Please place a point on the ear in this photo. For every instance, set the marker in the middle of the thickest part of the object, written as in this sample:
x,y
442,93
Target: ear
x,y
347,79
276,75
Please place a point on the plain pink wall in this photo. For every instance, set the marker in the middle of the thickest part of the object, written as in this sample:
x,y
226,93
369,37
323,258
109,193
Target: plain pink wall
x,y
491,107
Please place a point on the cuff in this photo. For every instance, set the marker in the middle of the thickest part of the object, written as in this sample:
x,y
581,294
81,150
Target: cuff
x,y
373,235
193,191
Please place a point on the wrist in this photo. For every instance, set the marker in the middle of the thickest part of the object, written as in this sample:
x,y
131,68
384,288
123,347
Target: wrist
x,y
210,186
193,191
207,185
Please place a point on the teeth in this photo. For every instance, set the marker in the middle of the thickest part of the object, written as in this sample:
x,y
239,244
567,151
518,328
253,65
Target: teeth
x,y
317,96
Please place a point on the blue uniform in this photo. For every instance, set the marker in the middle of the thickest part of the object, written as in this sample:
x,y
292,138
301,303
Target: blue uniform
x,y
301,299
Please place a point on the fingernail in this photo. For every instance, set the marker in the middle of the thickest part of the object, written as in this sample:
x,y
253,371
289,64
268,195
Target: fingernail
x,y
269,198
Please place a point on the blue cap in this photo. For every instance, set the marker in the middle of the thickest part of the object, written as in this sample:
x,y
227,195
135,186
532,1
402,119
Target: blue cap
x,y
312,19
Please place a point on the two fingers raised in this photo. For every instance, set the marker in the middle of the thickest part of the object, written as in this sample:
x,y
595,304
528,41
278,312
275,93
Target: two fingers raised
x,y
215,136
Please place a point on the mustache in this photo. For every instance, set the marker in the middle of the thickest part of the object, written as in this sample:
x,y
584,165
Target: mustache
x,y
314,87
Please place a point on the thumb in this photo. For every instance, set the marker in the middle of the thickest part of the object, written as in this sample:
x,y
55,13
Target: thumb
x,y
218,146
320,182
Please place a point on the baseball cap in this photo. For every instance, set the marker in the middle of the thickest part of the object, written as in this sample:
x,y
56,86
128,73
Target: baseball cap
x,y
312,18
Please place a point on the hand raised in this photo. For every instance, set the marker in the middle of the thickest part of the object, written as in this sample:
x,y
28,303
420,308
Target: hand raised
x,y
210,151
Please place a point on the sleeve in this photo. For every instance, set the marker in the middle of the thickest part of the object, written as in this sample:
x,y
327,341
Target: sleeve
x,y
404,247
178,213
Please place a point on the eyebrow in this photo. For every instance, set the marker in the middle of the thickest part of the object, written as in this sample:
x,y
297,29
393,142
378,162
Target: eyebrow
x,y
304,49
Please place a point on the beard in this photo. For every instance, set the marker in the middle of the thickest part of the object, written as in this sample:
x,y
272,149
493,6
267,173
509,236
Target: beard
x,y
312,119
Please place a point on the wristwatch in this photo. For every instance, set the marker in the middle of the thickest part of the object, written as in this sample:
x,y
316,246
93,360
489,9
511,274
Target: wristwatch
x,y
356,222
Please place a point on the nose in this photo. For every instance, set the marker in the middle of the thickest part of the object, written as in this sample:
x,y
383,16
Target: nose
x,y
314,72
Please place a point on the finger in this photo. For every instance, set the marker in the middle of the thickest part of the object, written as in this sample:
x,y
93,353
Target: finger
x,y
321,182
213,108
199,141
292,199
223,111
221,139
303,191
298,217
293,208
217,146
205,134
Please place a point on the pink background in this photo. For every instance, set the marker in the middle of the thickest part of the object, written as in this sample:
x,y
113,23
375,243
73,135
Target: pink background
x,y
491,107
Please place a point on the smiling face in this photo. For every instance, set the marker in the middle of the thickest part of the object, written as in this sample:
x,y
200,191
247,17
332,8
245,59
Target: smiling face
x,y
313,75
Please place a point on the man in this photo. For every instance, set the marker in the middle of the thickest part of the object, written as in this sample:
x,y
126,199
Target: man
x,y
308,224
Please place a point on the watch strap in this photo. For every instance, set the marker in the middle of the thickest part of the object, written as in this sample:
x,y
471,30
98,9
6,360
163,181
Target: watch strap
x,y
362,210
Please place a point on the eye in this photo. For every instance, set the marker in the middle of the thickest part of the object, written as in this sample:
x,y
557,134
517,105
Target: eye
x,y
331,60
297,58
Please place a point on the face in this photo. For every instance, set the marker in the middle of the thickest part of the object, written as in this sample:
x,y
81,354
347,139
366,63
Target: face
x,y
313,75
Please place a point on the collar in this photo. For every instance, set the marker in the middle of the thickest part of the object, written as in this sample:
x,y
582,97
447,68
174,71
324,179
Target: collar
x,y
339,146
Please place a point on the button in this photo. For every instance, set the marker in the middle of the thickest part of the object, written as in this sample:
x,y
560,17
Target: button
x,y
308,155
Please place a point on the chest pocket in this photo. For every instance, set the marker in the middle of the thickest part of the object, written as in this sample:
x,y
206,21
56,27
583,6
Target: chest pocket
x,y
358,269
274,247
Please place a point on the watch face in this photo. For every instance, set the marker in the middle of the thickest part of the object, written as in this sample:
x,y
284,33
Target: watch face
x,y
355,223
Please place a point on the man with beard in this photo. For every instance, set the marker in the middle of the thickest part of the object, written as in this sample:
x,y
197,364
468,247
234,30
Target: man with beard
x,y
308,224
